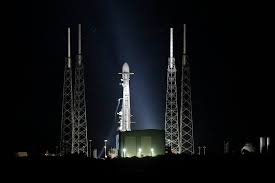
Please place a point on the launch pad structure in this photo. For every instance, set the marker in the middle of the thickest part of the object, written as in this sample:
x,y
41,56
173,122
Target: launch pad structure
x,y
179,132
178,129
171,113
74,120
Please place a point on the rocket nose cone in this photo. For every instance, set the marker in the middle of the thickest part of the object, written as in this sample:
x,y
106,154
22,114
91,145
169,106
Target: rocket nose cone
x,y
125,67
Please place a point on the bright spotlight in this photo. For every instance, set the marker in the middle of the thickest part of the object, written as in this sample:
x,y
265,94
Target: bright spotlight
x,y
124,152
152,151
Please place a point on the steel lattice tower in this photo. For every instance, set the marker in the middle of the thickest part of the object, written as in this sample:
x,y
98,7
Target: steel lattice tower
x,y
186,121
79,140
171,113
67,105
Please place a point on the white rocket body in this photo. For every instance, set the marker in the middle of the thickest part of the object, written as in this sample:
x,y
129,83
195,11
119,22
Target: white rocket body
x,y
125,113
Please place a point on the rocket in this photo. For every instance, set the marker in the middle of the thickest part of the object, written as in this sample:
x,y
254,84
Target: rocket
x,y
125,113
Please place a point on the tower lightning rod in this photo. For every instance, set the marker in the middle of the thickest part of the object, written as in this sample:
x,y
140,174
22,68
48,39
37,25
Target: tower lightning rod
x,y
79,44
184,38
184,44
171,42
79,39
69,47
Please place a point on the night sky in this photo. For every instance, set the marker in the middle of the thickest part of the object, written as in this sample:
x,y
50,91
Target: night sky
x,y
227,46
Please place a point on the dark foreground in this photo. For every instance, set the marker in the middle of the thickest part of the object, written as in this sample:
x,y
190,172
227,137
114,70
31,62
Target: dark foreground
x,y
162,165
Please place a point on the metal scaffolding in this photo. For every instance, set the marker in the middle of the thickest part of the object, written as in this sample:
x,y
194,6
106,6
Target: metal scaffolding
x,y
171,113
79,140
67,105
186,120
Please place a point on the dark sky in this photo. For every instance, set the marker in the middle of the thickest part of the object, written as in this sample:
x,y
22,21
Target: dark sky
x,y
227,47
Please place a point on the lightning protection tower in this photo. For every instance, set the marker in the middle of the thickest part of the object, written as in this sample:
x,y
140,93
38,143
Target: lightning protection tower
x,y
67,105
186,120
79,140
171,113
